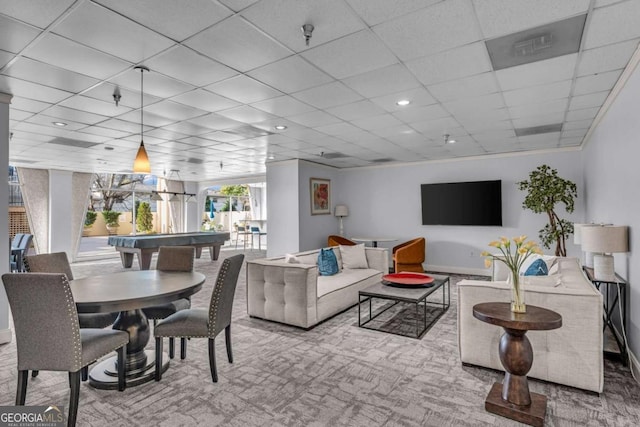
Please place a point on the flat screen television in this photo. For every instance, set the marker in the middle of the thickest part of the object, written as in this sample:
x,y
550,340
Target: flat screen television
x,y
462,203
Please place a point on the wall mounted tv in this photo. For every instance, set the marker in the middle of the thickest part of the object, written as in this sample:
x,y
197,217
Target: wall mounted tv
x,y
462,203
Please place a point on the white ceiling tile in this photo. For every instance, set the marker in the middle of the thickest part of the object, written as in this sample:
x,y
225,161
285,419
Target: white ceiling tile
x,y
124,125
444,25
69,55
436,127
246,114
377,11
525,110
328,95
467,87
177,19
470,116
494,137
205,100
184,64
15,36
112,33
579,124
337,129
545,140
282,19
19,115
473,105
221,136
104,92
419,114
35,12
243,89
500,17
481,125
291,74
283,106
92,105
238,5
29,105
353,54
606,58
214,121
188,128
48,120
540,120
586,101
582,114
383,81
154,83
452,64
601,3
537,94
111,133
5,57
150,119
41,73
377,122
237,44
417,97
314,119
165,134
537,73
570,142
356,110
578,133
613,24
30,90
174,110
596,83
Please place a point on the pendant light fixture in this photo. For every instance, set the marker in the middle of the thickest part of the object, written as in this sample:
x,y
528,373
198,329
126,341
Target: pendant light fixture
x,y
141,163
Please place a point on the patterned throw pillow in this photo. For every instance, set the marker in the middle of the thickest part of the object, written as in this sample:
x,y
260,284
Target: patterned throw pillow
x,y
327,262
537,268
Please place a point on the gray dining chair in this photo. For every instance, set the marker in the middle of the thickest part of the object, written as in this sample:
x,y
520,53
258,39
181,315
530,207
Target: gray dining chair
x,y
203,323
172,258
48,336
19,248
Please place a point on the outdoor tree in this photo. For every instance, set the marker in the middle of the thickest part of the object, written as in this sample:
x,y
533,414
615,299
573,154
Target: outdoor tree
x,y
144,217
112,189
545,190
233,190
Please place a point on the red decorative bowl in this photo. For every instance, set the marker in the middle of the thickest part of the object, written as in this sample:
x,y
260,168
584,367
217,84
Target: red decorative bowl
x,y
407,279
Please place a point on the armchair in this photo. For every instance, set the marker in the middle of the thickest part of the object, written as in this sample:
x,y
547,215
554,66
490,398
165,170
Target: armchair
x,y
409,256
335,240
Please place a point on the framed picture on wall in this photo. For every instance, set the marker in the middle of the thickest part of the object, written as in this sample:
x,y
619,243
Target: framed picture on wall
x,y
320,196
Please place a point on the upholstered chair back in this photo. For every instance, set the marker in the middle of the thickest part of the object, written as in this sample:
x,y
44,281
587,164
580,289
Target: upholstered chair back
x,y
45,320
56,262
335,240
175,258
222,295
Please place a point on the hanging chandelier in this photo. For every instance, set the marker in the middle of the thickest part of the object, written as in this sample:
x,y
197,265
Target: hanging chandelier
x,y
141,163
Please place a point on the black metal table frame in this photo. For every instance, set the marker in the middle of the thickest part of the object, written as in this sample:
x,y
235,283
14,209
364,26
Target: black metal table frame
x,y
609,305
446,294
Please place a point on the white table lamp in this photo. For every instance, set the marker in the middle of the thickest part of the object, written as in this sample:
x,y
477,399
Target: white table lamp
x,y
341,211
605,240
577,239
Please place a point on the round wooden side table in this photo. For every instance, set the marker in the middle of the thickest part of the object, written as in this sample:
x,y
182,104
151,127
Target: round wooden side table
x,y
512,398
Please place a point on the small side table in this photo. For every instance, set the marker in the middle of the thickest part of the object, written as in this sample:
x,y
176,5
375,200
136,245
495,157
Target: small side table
x,y
610,305
512,398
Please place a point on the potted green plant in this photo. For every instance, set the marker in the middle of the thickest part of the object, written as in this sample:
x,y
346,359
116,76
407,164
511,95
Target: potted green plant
x,y
144,218
545,190
111,220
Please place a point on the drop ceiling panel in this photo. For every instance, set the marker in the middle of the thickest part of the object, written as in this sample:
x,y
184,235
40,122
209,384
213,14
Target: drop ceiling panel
x,y
200,71
613,24
19,115
246,114
559,105
238,5
174,110
337,129
438,126
356,110
537,73
539,120
606,58
499,17
35,12
243,89
445,25
41,73
104,92
237,44
30,90
91,105
283,106
329,95
420,114
5,57
46,120
74,115
291,74
578,124
100,131
150,119
417,97
177,19
188,128
215,122
377,11
15,36
124,125
69,55
205,100
537,94
480,84
475,104
154,83
314,119
383,81
582,114
586,101
596,83
282,20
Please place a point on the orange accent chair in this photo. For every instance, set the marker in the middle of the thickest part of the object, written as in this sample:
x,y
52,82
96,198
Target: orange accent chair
x,y
410,255
335,240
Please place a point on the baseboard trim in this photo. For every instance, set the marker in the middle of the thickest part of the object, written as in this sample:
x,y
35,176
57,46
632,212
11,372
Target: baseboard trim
x,y
5,336
458,270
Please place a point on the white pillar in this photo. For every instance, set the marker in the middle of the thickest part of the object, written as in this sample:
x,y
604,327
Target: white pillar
x,y
5,100
61,229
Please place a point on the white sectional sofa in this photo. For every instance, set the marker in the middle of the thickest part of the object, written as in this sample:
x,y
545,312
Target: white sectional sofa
x,y
297,295
571,355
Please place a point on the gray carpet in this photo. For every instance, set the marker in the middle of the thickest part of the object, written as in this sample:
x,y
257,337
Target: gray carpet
x,y
333,375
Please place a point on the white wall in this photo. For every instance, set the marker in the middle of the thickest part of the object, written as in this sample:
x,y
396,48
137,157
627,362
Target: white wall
x,y
282,207
612,178
60,202
385,202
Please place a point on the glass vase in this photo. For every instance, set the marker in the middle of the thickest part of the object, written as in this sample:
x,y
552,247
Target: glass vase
x,y
517,293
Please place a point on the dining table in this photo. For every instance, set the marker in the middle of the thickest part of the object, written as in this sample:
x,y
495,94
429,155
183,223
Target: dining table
x,y
128,292
373,240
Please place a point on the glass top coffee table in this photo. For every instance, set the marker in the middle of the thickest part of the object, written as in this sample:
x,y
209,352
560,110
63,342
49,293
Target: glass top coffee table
x,y
413,298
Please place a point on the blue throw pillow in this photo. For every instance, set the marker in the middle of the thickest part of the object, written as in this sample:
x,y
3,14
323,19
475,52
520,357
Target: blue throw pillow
x,y
327,262
537,268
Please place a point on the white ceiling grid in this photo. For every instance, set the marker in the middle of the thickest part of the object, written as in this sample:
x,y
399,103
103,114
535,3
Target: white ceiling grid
x,y
225,73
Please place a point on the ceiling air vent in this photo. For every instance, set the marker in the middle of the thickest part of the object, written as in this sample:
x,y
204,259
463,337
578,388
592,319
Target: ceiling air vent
x,y
335,155
535,130
537,44
194,160
383,160
73,143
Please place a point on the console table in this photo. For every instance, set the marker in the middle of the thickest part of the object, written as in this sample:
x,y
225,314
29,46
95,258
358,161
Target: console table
x,y
619,302
512,398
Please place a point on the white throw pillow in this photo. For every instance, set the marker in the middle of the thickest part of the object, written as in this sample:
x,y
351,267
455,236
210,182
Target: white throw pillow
x,y
354,256
550,260
291,259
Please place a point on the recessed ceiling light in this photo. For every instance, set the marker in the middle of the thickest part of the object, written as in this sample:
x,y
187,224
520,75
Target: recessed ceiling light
x,y
403,102
280,127
59,123
271,157
451,141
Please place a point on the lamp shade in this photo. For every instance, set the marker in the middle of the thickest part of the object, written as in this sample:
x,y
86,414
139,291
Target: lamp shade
x,y
141,163
341,210
577,231
605,238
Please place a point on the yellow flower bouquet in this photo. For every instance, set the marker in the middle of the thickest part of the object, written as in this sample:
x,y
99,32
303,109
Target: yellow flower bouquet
x,y
513,256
